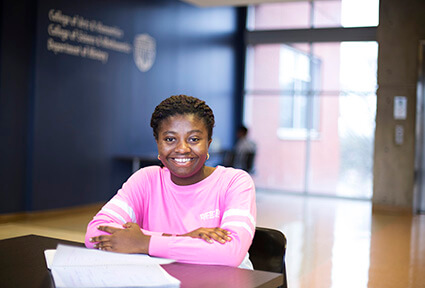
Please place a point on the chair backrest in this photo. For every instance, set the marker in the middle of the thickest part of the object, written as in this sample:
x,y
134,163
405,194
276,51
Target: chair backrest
x,y
267,251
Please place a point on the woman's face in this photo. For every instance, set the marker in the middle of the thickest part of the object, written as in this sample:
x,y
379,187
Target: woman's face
x,y
183,147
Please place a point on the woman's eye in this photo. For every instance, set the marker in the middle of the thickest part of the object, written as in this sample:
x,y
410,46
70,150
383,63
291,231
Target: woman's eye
x,y
194,139
169,139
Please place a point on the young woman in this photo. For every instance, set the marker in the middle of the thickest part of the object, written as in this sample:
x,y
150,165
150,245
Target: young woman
x,y
185,210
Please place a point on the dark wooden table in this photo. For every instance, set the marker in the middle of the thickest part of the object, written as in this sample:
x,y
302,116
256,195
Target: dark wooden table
x,y
22,264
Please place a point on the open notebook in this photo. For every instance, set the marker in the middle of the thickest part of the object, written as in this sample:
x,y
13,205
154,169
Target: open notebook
x,y
81,267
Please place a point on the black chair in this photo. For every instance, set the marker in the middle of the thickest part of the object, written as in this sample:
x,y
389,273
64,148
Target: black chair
x,y
267,251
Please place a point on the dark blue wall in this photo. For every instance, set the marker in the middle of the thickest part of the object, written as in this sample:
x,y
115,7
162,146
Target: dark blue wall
x,y
78,114
16,62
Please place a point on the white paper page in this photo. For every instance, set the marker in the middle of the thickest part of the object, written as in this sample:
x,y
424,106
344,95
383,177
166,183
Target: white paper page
x,y
113,276
78,256
81,267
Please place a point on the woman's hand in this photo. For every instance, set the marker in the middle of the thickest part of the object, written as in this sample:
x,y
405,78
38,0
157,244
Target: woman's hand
x,y
209,234
128,240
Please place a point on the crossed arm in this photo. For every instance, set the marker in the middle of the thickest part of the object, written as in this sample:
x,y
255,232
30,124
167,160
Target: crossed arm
x,y
213,246
131,239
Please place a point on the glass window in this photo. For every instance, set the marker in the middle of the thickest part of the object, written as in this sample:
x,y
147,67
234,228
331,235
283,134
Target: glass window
x,y
297,74
320,103
313,14
288,15
311,106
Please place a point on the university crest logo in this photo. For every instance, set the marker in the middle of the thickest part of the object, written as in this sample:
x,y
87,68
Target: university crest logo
x,y
144,52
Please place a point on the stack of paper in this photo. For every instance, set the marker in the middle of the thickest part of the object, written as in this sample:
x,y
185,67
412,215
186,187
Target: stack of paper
x,y
81,267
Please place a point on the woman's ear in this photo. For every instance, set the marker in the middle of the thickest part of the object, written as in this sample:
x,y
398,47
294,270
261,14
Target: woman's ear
x,y
209,143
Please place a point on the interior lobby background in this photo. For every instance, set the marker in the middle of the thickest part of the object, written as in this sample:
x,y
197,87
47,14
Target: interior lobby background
x,y
64,118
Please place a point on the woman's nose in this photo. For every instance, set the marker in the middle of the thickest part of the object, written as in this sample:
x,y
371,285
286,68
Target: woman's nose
x,y
182,147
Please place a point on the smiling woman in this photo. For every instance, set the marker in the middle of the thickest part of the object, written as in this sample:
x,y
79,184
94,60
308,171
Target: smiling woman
x,y
183,148
182,127
185,210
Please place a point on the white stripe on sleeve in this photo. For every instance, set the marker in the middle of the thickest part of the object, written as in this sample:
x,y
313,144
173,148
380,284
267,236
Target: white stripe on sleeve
x,y
124,206
239,212
239,224
113,213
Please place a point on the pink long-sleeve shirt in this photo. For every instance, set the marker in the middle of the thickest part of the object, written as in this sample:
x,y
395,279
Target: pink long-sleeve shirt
x,y
149,198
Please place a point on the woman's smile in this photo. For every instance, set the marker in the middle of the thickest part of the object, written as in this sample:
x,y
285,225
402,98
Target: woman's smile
x,y
182,161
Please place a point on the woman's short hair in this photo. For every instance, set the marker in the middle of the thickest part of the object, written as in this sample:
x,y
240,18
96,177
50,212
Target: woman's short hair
x,y
180,105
